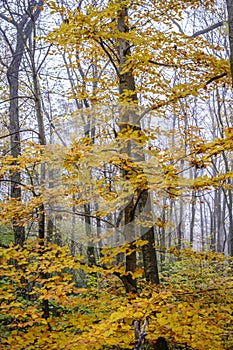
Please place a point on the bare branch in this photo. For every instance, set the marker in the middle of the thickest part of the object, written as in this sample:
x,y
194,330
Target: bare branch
x,y
14,98
13,133
85,215
102,44
208,29
7,19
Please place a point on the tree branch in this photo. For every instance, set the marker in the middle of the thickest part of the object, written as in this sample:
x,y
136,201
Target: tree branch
x,y
109,56
165,103
15,132
13,98
208,29
8,19
163,64
85,215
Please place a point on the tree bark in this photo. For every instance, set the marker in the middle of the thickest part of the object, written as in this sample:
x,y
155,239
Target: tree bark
x,y
23,31
230,26
16,192
127,84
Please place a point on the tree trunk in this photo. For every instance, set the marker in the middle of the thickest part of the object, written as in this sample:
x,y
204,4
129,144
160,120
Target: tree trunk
x,y
126,84
161,344
23,31
230,25
42,138
16,192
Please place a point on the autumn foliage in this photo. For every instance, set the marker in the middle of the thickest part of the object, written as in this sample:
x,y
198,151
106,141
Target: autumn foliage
x,y
96,202
191,308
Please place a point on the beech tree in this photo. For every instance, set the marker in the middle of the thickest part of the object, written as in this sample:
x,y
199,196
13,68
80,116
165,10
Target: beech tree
x,y
138,170
123,41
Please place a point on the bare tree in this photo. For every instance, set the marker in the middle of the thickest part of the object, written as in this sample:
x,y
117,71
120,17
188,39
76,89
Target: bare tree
x,y
18,21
